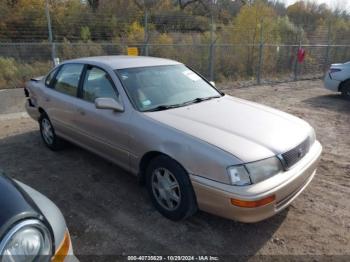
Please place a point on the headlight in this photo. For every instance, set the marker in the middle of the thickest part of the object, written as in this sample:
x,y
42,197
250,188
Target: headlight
x,y
264,169
254,172
29,240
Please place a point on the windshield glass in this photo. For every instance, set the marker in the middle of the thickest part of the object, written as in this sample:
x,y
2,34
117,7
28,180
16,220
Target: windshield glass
x,y
162,86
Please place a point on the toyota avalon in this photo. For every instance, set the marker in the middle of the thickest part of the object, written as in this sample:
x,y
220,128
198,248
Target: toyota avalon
x,y
193,146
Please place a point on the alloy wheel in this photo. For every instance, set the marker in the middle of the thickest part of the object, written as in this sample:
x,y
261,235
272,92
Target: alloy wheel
x,y
47,131
166,189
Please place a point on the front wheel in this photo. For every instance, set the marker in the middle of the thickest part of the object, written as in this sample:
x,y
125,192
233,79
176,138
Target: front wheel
x,y
48,134
170,189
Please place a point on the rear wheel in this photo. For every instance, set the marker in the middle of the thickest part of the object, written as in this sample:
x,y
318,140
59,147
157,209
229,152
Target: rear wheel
x,y
345,89
48,134
170,189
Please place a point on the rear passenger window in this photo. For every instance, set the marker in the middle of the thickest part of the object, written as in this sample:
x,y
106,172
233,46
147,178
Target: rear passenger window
x,y
67,79
49,77
97,84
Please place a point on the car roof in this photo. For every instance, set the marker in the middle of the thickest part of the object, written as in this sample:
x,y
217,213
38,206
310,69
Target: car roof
x,y
120,61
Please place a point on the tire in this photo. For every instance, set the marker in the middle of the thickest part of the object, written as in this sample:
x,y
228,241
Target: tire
x,y
48,135
345,89
170,189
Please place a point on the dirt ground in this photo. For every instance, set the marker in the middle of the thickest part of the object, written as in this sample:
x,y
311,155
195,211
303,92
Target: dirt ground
x,y
107,212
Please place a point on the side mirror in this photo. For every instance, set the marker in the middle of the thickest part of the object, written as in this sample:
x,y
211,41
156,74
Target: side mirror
x,y
108,103
212,83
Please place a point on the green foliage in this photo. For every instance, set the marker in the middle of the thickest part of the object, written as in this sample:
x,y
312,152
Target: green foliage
x,y
13,74
136,33
85,33
308,14
8,70
254,25
164,46
68,50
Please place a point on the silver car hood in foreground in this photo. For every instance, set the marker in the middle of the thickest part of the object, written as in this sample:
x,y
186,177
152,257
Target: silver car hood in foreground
x,y
247,130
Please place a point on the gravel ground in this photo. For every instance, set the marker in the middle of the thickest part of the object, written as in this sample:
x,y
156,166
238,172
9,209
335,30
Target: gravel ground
x,y
107,212
11,101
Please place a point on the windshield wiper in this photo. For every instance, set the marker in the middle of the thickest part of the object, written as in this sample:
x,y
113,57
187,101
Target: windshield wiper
x,y
200,99
161,107
196,100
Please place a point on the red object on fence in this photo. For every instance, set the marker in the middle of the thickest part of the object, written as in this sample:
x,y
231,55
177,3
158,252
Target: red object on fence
x,y
301,55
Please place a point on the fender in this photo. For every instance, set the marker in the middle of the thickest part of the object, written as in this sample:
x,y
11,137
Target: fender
x,y
16,205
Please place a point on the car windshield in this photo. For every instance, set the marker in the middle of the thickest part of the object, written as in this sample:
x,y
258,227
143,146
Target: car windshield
x,y
163,87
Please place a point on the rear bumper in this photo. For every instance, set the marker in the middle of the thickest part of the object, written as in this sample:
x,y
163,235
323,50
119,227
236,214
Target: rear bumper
x,y
32,110
215,198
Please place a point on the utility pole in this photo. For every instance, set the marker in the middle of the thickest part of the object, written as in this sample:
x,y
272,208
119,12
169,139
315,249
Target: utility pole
x,y
53,47
296,65
328,47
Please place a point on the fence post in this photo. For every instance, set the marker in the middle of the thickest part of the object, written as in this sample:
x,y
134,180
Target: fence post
x,y
296,63
146,33
212,43
53,47
328,47
261,49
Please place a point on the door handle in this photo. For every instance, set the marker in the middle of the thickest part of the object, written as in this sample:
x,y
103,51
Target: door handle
x,y
47,99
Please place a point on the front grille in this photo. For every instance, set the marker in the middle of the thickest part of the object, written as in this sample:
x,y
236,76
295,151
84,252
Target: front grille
x,y
293,156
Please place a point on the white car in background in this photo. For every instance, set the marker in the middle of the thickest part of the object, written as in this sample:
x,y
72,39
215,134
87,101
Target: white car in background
x,y
337,79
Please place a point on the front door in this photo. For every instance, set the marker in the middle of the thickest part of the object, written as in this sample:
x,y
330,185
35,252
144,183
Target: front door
x,y
103,130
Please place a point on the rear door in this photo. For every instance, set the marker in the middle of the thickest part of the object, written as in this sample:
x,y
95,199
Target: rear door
x,y
60,98
103,130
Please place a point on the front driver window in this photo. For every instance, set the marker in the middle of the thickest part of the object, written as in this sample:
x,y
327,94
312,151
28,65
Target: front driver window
x,y
97,84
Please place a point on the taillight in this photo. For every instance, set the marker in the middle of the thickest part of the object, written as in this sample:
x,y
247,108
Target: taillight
x,y
334,70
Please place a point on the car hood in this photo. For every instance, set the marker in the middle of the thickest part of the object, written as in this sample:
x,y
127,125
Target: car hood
x,y
247,130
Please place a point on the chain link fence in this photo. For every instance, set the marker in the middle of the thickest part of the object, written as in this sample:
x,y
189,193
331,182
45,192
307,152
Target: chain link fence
x,y
247,55
249,64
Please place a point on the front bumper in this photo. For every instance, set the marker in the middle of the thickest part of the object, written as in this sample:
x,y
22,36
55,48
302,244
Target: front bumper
x,y
214,197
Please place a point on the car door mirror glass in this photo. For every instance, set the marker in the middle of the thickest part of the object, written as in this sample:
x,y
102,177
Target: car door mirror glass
x,y
108,103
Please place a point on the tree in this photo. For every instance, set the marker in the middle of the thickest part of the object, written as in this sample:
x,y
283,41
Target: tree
x,y
184,3
308,14
12,3
136,34
85,33
247,27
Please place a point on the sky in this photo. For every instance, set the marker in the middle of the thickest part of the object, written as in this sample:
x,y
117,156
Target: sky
x,y
341,4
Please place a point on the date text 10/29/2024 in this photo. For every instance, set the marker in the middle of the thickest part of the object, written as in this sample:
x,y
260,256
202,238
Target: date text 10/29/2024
x,y
173,258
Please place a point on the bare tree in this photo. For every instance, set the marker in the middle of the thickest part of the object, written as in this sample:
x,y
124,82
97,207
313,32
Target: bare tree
x,y
142,4
12,3
184,3
94,4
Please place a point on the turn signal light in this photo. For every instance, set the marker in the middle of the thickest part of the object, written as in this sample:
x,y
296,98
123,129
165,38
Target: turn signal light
x,y
63,249
251,204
